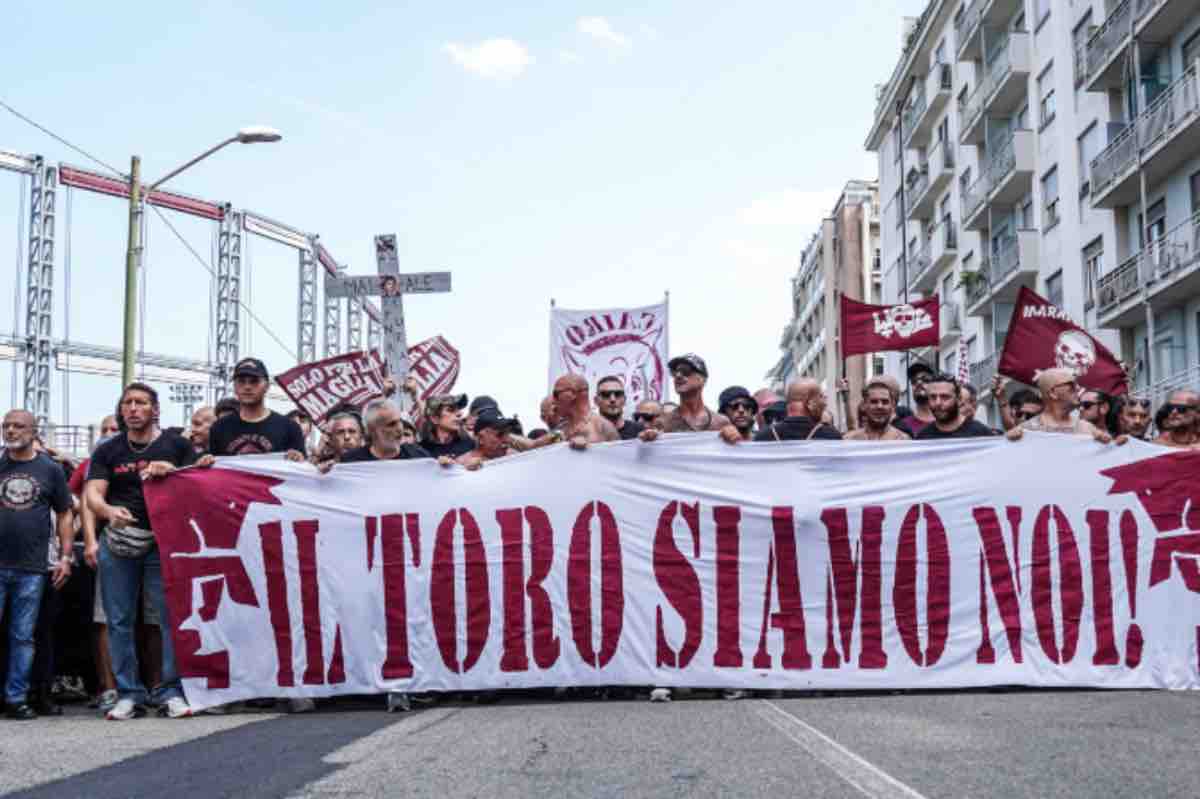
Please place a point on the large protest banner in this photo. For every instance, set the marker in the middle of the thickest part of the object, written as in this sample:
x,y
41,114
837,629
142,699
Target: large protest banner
x,y
1053,561
630,343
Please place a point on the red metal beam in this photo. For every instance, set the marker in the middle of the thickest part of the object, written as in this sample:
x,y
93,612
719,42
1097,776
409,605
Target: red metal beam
x,y
115,187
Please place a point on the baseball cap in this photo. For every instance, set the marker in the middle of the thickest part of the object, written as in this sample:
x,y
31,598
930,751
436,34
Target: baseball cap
x,y
489,416
691,359
434,405
733,393
251,367
775,411
481,402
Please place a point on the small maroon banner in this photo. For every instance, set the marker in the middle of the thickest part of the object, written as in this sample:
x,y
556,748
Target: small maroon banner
x,y
877,328
1042,336
357,377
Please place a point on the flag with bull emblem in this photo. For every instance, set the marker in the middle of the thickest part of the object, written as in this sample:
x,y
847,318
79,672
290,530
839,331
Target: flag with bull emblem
x,y
1042,336
877,328
630,343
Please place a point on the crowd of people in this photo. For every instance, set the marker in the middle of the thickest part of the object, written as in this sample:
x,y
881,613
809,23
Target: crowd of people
x,y
80,577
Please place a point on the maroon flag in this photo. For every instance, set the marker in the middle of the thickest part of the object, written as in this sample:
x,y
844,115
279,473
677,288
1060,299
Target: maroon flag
x,y
357,377
1042,336
876,328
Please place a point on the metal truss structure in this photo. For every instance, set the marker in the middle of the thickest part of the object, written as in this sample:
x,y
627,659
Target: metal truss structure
x,y
42,354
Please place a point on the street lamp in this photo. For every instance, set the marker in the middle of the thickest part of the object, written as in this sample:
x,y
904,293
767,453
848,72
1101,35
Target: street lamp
x,y
252,135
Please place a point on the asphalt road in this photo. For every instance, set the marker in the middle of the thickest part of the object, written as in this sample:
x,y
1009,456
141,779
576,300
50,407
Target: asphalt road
x,y
952,744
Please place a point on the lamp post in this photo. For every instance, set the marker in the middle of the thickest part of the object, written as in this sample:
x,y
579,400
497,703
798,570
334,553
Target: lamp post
x,y
133,253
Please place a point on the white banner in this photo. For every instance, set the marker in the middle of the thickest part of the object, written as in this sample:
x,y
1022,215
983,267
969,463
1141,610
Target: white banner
x,y
1053,561
630,343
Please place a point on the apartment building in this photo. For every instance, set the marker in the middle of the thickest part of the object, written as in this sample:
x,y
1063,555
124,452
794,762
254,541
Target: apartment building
x,y
1014,139
841,258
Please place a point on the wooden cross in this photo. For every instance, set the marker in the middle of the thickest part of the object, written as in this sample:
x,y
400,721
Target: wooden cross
x,y
390,286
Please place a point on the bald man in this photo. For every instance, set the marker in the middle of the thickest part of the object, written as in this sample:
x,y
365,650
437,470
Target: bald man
x,y
549,412
1059,389
805,406
577,423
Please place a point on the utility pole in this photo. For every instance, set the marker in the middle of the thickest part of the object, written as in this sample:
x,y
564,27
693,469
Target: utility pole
x,y
132,261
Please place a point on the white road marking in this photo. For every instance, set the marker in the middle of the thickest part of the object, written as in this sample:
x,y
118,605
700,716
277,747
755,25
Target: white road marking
x,y
870,780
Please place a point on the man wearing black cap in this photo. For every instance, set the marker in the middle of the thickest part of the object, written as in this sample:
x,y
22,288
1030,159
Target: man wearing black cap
x,y
690,374
921,416
737,404
442,433
477,405
610,402
255,429
492,432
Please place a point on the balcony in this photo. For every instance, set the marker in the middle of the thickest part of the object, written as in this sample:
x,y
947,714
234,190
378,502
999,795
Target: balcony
x,y
934,95
1008,76
938,252
951,324
936,174
1167,134
1153,21
983,371
1166,273
966,32
916,185
1013,264
1005,180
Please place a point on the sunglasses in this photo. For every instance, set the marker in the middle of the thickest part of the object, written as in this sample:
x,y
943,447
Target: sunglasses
x,y
683,371
610,394
645,418
1173,407
745,407
1087,405
1145,403
1025,416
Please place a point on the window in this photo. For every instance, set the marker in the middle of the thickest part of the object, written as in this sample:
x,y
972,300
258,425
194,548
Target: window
x,y
951,363
1196,193
964,181
948,287
1089,147
1093,257
1054,289
1079,40
1021,120
877,262
1024,213
1041,11
876,365
1046,96
899,144
1191,50
1156,228
1050,199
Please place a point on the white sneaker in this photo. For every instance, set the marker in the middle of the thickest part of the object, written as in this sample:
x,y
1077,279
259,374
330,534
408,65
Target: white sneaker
x,y
660,695
734,693
301,705
124,710
175,708
397,702
108,700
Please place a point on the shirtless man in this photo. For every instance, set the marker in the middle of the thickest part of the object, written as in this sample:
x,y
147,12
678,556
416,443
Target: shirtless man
x,y
578,424
878,407
692,415
1179,424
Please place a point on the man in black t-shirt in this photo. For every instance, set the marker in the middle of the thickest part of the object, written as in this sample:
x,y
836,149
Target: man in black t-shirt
x,y
948,422
31,486
385,429
128,557
610,402
805,406
443,435
255,429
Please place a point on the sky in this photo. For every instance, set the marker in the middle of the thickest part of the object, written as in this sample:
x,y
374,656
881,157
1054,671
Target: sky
x,y
596,154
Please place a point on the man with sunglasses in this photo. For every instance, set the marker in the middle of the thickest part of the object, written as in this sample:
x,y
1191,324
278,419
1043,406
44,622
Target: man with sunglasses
x,y
690,374
577,424
741,409
610,402
1094,407
649,414
1058,390
1178,428
921,416
1133,417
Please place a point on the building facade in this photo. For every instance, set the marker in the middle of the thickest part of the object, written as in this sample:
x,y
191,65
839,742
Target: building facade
x,y
841,258
1053,144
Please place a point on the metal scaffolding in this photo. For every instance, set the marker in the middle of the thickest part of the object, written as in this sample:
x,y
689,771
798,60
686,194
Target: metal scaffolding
x,y
39,293
228,300
333,322
354,324
306,307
